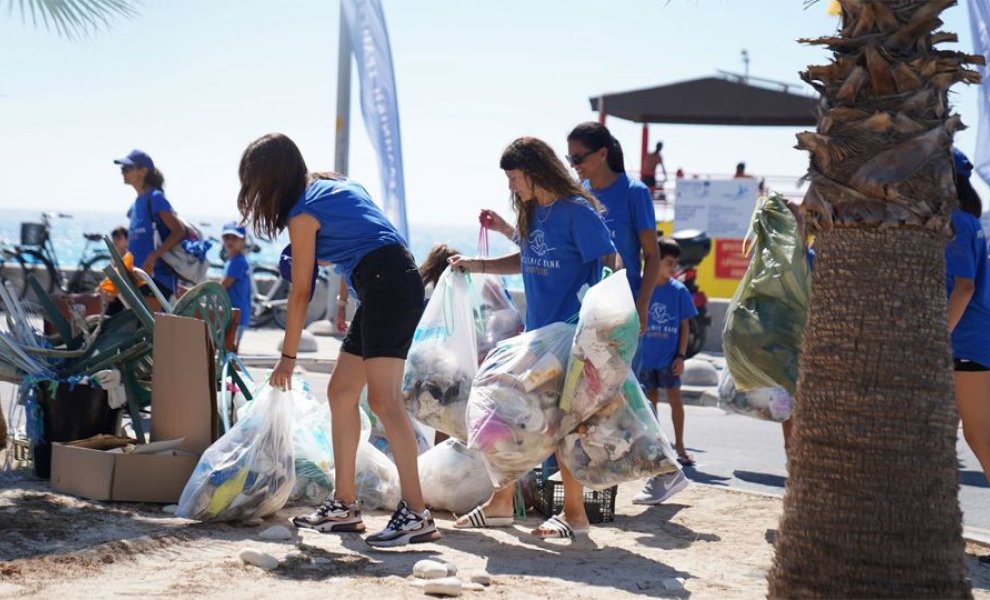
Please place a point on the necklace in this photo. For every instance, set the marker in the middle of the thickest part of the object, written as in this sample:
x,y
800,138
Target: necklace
x,y
546,215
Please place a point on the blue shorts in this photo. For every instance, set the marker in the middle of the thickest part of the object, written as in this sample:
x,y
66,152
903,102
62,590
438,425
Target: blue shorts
x,y
658,379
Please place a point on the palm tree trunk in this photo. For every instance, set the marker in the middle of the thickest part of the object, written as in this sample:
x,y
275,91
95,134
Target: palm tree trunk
x,y
871,507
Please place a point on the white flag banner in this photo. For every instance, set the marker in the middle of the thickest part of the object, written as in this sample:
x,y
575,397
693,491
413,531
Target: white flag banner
x,y
979,18
379,104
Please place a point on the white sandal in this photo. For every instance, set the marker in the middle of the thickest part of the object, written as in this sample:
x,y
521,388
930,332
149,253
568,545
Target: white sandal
x,y
557,528
476,519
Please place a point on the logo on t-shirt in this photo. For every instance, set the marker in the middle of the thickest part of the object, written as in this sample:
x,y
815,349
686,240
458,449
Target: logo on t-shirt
x,y
659,314
534,257
538,243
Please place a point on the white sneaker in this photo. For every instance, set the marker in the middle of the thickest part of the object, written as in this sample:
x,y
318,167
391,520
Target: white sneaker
x,y
405,527
661,488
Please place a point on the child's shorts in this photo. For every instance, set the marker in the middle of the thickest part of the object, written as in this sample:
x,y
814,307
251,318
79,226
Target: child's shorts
x,y
658,379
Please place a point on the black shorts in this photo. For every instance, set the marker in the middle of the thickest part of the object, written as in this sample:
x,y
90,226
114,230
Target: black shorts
x,y
390,289
649,181
971,366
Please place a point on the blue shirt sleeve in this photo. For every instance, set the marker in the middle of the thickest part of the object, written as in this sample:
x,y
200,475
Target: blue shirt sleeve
x,y
644,217
236,267
959,260
686,304
590,233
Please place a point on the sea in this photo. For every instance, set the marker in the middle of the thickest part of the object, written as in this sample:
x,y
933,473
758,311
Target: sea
x,y
67,231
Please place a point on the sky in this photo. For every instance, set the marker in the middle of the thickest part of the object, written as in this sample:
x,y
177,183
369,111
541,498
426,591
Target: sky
x,y
192,82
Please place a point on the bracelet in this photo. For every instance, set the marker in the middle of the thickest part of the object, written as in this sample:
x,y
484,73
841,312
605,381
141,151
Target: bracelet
x,y
284,355
341,302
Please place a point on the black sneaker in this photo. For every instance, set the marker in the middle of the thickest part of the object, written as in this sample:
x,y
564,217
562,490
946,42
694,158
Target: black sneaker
x,y
333,515
405,527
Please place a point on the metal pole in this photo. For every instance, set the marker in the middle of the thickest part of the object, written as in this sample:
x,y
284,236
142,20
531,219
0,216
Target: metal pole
x,y
601,110
644,151
343,133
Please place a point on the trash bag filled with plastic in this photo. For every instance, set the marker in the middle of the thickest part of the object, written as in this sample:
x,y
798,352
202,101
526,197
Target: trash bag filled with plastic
x,y
454,477
312,442
604,344
764,323
499,315
442,360
376,479
513,413
249,472
767,403
621,442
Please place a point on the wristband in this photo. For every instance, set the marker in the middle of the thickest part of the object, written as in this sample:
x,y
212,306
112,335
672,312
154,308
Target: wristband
x,y
341,302
284,355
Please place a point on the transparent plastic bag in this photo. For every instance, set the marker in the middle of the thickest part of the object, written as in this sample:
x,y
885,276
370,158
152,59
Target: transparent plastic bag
x,y
442,360
376,479
454,477
604,344
424,434
249,472
499,315
621,442
767,403
764,323
513,413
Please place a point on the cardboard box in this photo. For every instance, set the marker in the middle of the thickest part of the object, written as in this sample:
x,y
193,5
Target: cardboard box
x,y
183,409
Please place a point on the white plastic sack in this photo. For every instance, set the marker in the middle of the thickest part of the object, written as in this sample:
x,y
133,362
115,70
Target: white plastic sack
x,y
376,479
454,477
621,442
424,434
312,442
442,360
767,403
499,315
513,415
249,472
604,345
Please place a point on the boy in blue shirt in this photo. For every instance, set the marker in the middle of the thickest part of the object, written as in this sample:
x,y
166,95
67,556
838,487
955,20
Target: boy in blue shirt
x,y
237,275
662,351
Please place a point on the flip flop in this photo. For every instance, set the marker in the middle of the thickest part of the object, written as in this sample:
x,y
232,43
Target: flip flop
x,y
557,528
686,460
476,519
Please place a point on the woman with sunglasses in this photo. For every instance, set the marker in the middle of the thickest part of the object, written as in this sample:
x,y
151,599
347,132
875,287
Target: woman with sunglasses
x,y
333,219
563,244
151,209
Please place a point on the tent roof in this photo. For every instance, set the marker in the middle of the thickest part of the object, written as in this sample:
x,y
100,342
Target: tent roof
x,y
711,101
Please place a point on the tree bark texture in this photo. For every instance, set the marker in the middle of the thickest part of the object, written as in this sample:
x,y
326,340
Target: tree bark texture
x,y
871,507
871,504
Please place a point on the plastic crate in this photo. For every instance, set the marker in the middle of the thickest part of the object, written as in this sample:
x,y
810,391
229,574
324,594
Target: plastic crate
x,y
33,234
21,449
549,499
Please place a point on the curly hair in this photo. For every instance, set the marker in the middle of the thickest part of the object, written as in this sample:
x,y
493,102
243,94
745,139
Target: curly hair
x,y
538,162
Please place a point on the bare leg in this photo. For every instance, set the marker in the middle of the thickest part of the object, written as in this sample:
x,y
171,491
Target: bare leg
x,y
574,513
654,396
499,505
973,400
677,417
344,392
385,399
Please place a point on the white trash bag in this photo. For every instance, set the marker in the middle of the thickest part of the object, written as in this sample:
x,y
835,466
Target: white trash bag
x,y
454,477
767,403
249,472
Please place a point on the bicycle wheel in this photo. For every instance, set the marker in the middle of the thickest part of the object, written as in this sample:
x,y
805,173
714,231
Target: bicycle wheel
x,y
12,273
37,264
89,274
265,283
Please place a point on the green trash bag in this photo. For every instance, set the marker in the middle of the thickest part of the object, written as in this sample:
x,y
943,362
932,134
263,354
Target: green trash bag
x,y
764,322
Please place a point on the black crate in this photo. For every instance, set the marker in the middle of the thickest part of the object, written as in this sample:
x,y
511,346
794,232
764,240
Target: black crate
x,y
549,499
33,234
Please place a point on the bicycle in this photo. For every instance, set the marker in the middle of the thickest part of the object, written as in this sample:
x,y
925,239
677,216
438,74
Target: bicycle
x,y
36,252
269,292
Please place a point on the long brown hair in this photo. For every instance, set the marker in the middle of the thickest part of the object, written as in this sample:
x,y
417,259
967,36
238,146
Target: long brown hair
x,y
538,162
273,176
435,263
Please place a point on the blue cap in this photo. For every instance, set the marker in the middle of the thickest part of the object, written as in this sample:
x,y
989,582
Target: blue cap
x,y
232,228
964,167
285,269
137,158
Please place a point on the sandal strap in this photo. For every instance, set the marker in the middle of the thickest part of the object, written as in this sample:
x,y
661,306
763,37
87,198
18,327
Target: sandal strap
x,y
559,526
477,518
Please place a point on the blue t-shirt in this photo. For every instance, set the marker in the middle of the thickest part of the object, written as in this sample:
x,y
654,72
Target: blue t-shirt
x,y
240,291
141,240
351,224
966,256
628,211
671,303
567,240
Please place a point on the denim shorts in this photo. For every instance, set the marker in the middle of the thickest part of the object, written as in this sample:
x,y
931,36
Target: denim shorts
x,y
658,379
390,289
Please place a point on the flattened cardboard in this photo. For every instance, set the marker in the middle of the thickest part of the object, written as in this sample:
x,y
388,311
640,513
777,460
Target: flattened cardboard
x,y
183,400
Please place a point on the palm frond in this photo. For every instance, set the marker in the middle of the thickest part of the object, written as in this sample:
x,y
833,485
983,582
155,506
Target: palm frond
x,y
72,18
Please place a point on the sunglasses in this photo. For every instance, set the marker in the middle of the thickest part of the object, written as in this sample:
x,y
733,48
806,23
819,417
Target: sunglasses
x,y
576,159
127,168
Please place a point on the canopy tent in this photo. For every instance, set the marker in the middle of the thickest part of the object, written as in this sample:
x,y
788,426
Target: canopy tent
x,y
727,100
711,101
